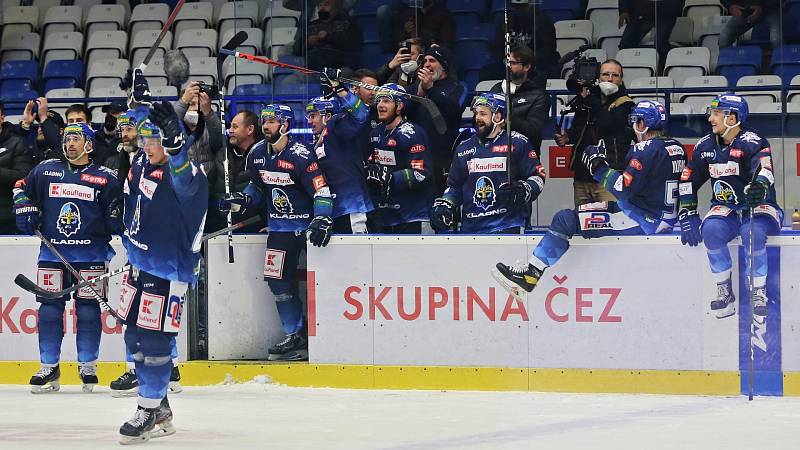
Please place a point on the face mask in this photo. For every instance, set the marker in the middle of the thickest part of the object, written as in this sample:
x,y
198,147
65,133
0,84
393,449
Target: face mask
x,y
608,88
191,118
323,15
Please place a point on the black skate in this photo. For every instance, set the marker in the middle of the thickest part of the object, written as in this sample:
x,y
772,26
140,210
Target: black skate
x,y
760,304
137,430
163,421
126,385
46,380
175,381
294,347
88,374
516,279
725,303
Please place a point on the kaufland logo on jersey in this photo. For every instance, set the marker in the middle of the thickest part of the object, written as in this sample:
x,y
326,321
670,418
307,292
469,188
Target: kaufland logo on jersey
x,y
277,178
723,170
69,190
480,165
385,157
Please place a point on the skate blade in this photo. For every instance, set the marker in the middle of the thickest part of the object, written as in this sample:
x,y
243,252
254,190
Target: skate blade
x,y
175,387
87,388
133,440
163,429
298,355
45,389
123,394
515,291
725,312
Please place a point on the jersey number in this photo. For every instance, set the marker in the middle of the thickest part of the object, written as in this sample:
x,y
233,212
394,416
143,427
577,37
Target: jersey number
x,y
671,200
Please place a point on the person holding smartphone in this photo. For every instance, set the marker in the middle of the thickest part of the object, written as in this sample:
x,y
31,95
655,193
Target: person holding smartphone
x,y
402,68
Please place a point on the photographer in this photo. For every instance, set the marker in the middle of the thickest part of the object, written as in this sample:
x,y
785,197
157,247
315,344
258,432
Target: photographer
x,y
15,163
402,69
194,108
601,113
47,142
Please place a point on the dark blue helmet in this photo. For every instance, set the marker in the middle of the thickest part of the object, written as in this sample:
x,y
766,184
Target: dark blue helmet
x,y
281,113
322,106
495,102
652,113
731,103
390,90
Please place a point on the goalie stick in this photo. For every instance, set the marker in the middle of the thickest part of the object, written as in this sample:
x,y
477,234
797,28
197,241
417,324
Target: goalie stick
x,y
428,104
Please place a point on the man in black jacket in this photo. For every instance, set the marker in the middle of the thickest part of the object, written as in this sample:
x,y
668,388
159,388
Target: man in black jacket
x,y
15,163
640,16
530,102
332,40
601,115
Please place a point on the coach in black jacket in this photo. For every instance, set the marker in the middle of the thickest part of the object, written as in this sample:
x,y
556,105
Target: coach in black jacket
x,y
15,163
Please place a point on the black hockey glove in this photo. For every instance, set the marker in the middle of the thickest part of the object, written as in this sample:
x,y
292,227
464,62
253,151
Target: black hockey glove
x,y
755,193
377,174
126,82
515,195
329,82
234,201
690,227
594,156
319,231
141,90
163,116
442,214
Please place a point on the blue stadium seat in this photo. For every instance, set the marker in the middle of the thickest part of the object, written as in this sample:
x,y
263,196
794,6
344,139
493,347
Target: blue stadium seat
x,y
466,19
366,7
471,78
786,62
17,90
476,6
368,27
472,54
372,57
569,9
20,70
63,74
256,90
479,31
736,62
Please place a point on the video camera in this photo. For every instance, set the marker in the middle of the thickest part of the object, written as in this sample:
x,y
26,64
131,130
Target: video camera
x,y
585,70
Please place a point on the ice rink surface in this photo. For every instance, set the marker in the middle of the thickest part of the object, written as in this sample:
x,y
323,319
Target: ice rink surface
x,y
255,416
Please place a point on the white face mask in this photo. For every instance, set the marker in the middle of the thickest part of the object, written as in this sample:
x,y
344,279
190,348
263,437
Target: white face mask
x,y
191,118
608,88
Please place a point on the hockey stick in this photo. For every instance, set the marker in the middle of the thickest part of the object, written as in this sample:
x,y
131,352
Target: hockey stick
x,y
103,302
167,25
30,286
430,106
508,89
751,279
236,226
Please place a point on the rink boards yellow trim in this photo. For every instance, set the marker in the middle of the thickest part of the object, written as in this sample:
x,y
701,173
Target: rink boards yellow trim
x,y
203,373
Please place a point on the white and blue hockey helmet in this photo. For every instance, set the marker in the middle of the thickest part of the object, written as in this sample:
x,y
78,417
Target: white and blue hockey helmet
x,y
281,113
392,91
651,113
322,105
728,103
494,101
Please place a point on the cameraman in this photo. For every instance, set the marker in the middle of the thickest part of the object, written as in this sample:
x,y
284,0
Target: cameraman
x,y
602,113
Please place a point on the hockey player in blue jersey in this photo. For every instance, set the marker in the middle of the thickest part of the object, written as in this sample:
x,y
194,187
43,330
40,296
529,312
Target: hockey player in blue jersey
x,y
646,193
285,175
478,178
400,170
75,203
340,156
738,163
166,197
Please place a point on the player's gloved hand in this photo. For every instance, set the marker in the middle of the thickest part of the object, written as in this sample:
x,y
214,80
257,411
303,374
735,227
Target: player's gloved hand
x,y
141,90
515,195
126,82
319,231
234,202
442,214
690,227
27,217
594,156
329,82
755,193
162,114
377,174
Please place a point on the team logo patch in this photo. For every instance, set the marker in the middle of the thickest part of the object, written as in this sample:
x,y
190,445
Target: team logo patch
x,y
94,179
285,165
636,164
151,311
273,263
69,219
417,148
281,201
724,193
50,280
484,196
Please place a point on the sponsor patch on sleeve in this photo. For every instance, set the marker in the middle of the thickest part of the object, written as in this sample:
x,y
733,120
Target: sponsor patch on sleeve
x,y
417,148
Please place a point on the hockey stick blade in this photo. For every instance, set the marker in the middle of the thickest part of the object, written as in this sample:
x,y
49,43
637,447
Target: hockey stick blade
x,y
237,40
236,226
25,283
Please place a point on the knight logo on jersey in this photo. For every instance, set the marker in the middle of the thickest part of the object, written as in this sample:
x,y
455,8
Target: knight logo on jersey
x,y
69,219
281,201
484,196
724,193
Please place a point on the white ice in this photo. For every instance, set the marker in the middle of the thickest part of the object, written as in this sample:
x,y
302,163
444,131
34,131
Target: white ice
x,y
254,415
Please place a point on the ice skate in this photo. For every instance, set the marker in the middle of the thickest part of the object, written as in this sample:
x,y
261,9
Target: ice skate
x,y
760,303
725,303
88,374
175,381
164,426
126,385
294,347
46,380
516,279
138,429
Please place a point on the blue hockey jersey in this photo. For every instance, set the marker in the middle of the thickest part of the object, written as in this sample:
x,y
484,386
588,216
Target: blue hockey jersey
x,y
340,156
405,150
478,169
730,168
290,183
647,190
79,207
165,210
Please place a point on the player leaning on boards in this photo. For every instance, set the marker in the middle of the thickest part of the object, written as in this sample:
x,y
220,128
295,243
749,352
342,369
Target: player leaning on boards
x,y
478,178
285,175
75,203
739,164
646,193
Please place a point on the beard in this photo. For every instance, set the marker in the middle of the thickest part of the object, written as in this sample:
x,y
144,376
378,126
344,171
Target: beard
x,y
518,77
483,131
273,138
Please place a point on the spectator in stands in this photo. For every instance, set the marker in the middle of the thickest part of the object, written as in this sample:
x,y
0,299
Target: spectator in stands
x,y
332,40
402,68
366,96
530,103
602,115
194,108
47,141
107,139
15,163
747,13
428,20
640,16
369,77
77,113
243,136
528,26
448,95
